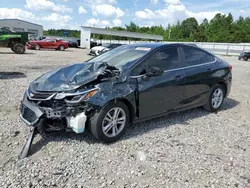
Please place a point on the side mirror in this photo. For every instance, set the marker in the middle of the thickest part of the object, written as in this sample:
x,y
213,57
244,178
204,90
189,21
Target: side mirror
x,y
154,71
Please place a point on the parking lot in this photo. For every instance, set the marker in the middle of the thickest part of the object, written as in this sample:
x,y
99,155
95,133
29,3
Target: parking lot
x,y
189,149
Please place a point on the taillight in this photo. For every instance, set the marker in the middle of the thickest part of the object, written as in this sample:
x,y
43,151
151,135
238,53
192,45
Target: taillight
x,y
230,67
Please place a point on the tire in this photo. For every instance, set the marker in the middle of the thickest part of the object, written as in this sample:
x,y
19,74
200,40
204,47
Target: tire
x,y
41,129
245,58
239,58
61,48
37,47
18,48
98,121
210,105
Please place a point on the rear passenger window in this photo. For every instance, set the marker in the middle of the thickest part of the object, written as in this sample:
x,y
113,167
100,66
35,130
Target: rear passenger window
x,y
195,56
208,57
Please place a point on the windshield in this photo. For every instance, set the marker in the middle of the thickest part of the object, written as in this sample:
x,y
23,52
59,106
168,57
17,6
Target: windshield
x,y
120,56
106,45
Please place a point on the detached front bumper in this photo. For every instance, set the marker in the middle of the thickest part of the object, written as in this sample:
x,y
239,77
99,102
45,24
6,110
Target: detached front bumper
x,y
31,113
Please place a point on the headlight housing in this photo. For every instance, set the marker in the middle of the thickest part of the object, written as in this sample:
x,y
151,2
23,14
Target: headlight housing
x,y
76,97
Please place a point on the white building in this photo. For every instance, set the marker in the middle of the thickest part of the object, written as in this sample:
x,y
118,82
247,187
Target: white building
x,y
21,25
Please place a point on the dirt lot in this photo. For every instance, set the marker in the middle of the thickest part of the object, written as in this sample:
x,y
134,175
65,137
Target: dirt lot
x,y
189,149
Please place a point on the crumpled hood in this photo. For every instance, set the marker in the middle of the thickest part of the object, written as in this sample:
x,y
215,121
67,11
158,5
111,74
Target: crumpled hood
x,y
70,77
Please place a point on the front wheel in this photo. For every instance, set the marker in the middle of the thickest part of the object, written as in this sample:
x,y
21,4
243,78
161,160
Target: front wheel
x,y
18,48
61,48
110,123
37,47
216,99
239,58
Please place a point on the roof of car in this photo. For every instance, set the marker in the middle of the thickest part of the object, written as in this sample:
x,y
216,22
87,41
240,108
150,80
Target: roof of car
x,y
159,44
148,45
52,39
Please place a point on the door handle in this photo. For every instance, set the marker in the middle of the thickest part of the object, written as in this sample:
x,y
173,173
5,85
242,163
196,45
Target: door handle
x,y
179,77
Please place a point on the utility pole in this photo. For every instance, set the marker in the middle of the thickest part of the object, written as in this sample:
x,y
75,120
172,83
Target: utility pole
x,y
169,34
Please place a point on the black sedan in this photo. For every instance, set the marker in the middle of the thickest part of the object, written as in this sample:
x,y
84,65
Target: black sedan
x,y
128,84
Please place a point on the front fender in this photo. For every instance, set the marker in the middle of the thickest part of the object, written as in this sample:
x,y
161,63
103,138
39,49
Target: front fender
x,y
113,91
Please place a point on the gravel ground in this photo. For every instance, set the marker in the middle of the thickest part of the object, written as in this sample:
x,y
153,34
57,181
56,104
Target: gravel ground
x,y
189,149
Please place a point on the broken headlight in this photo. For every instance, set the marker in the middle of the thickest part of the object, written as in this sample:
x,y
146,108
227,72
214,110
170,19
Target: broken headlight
x,y
76,97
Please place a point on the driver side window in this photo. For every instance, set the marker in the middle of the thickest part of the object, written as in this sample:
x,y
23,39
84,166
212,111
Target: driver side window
x,y
165,59
140,69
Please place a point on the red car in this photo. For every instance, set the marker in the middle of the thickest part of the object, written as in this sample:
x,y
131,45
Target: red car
x,y
48,44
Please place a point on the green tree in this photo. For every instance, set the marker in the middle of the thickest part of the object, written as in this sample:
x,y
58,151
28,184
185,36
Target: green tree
x,y
222,28
189,27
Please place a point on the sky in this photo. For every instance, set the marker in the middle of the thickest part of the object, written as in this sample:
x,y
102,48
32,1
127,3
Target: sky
x,y
71,14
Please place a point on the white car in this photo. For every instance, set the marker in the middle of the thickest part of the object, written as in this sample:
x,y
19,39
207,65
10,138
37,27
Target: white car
x,y
105,47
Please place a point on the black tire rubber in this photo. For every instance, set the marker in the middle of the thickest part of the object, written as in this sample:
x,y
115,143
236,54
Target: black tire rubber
x,y
41,129
95,122
208,106
37,47
239,58
19,48
61,48
245,58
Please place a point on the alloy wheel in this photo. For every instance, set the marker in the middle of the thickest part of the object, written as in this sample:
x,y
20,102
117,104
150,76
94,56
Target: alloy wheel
x,y
61,47
114,122
217,98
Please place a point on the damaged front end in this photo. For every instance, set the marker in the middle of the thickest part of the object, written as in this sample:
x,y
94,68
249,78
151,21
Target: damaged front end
x,y
59,100
56,110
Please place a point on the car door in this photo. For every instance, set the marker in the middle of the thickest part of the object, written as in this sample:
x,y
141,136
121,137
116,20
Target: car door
x,y
45,43
162,93
56,44
48,43
199,68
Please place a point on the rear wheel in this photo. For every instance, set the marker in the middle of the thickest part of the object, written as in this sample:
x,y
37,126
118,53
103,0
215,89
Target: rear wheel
x,y
61,48
18,48
245,58
110,123
216,99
